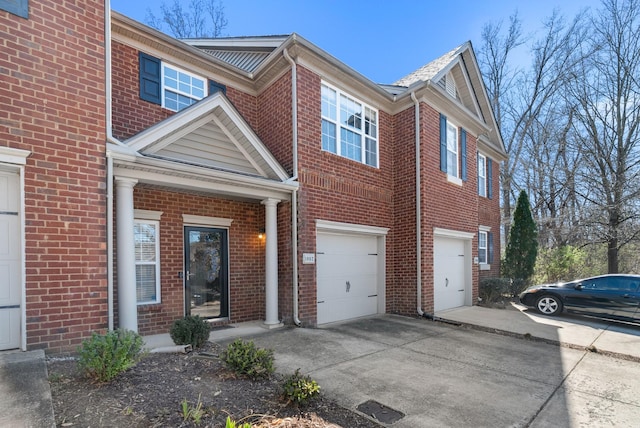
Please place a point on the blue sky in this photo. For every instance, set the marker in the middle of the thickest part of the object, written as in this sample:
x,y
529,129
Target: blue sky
x,y
382,39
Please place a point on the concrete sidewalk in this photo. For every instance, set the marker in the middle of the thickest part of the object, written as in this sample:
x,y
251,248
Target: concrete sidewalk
x,y
432,373
606,337
24,390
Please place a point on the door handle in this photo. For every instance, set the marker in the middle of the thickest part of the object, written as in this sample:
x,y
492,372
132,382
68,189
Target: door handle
x,y
348,286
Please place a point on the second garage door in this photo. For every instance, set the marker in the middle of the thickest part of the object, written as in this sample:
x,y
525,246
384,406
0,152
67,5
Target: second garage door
x,y
450,288
347,279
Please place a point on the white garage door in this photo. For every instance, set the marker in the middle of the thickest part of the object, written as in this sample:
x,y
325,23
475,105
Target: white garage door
x,y
347,267
10,287
449,273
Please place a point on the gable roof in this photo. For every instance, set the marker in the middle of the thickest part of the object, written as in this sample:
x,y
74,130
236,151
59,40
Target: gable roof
x,y
210,134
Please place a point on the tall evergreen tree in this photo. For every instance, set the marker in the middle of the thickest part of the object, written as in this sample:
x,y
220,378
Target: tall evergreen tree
x,y
522,246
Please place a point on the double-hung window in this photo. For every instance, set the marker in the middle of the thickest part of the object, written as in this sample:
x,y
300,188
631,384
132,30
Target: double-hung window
x,y
171,87
485,247
147,253
482,247
181,88
453,150
482,175
349,127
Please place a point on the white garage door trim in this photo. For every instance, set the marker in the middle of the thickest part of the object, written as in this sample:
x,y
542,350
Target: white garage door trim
x,y
465,239
326,229
13,161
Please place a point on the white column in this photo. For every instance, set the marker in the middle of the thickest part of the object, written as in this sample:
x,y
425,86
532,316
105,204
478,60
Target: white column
x,y
271,262
126,260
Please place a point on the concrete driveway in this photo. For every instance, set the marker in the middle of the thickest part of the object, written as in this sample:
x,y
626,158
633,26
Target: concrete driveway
x,y
440,375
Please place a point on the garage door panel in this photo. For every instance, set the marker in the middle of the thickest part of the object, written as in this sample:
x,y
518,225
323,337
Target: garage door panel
x,y
449,273
347,276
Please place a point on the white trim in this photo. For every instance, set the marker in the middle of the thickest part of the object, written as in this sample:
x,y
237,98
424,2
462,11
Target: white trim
x,y
198,220
454,180
14,156
484,266
449,233
484,228
147,215
334,226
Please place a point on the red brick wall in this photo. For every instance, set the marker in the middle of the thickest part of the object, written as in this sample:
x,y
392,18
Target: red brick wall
x,y
402,287
336,188
246,255
489,215
444,204
52,100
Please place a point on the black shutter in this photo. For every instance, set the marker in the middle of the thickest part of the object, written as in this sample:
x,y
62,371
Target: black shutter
x,y
463,155
443,142
17,7
489,178
150,78
215,87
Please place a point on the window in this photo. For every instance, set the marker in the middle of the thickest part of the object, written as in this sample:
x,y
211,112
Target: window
x,y
171,87
482,247
482,175
17,7
349,127
453,150
485,247
181,89
147,250
485,176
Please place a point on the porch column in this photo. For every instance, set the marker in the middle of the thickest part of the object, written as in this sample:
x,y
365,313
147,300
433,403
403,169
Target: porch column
x,y
126,260
271,262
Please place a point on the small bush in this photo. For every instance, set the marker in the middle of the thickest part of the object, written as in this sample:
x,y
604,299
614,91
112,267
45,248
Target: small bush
x,y
103,357
233,424
493,290
246,359
190,330
299,388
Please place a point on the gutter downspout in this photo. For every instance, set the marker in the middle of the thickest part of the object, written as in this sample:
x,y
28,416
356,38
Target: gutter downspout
x,y
107,43
418,213
294,193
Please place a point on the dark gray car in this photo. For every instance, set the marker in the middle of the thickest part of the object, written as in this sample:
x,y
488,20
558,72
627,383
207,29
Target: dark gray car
x,y
607,296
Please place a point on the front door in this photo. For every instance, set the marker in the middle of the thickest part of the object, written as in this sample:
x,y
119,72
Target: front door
x,y
10,261
206,277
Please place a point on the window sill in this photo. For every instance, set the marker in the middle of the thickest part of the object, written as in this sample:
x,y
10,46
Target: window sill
x,y
484,266
150,307
454,180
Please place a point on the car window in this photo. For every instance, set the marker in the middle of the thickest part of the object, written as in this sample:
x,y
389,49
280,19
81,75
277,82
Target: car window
x,y
631,285
603,284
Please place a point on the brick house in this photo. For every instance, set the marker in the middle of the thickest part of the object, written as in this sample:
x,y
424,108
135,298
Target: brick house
x,y
252,178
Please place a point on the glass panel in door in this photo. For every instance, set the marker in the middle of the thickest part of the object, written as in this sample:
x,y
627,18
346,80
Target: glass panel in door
x,y
206,272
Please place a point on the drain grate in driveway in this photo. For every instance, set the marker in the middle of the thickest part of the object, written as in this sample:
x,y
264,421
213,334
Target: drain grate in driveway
x,y
380,412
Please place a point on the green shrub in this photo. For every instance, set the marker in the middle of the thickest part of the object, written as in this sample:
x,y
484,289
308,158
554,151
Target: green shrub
x,y
492,290
246,359
103,357
299,388
234,424
190,330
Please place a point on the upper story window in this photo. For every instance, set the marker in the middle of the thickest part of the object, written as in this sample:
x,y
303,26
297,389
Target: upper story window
x,y
453,150
482,175
349,127
485,176
170,86
181,88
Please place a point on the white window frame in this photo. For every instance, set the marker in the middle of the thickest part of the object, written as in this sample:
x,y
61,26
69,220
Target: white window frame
x,y
483,249
147,217
454,175
193,97
368,130
482,175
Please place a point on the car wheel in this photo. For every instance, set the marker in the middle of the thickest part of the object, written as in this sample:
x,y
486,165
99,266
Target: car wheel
x,y
549,305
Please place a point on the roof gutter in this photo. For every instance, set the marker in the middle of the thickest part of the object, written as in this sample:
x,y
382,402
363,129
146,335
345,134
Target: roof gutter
x,y
294,192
